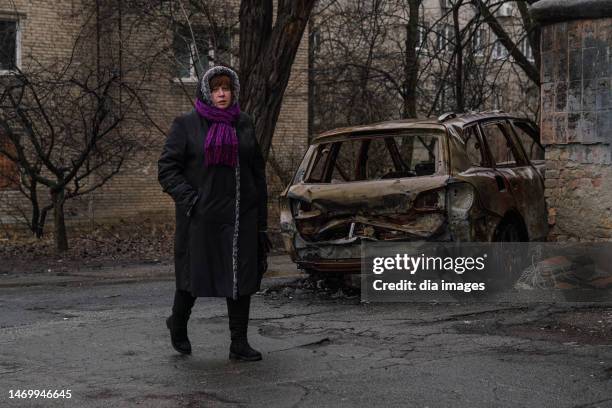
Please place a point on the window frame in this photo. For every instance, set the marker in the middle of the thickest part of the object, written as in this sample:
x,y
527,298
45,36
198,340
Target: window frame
x,y
531,125
506,9
445,5
499,51
18,30
519,157
422,34
443,43
335,146
210,53
487,161
478,42
526,49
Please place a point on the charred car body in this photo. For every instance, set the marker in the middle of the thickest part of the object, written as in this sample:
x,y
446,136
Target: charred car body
x,y
473,177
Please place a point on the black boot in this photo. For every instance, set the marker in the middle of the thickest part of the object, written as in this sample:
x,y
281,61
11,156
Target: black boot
x,y
177,322
238,312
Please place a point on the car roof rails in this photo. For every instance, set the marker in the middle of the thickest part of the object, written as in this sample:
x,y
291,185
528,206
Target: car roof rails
x,y
446,116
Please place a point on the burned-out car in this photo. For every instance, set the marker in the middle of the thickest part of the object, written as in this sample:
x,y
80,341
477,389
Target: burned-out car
x,y
470,177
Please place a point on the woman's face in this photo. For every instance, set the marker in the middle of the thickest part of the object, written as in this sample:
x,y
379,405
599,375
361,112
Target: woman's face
x,y
221,96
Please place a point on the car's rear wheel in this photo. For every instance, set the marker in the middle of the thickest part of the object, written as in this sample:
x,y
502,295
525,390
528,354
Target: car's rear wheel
x,y
508,232
513,259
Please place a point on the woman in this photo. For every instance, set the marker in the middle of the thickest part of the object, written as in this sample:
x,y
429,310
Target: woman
x,y
212,167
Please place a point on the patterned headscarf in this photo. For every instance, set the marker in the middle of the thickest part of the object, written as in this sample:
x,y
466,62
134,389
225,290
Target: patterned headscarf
x,y
221,142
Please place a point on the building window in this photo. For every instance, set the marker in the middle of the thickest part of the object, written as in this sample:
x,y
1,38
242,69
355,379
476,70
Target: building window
x,y
478,42
446,5
196,53
9,46
444,38
504,10
422,29
499,51
498,100
526,49
422,36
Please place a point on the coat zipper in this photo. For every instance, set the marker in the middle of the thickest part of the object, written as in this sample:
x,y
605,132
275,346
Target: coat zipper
x,y
235,237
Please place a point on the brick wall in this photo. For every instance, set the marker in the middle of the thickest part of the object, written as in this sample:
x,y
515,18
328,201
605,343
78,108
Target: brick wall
x,y
47,33
576,127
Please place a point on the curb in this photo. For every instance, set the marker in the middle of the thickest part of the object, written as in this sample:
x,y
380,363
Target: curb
x,y
280,267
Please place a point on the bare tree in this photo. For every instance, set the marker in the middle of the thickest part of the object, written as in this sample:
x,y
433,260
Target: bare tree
x,y
422,62
267,53
411,65
67,124
530,68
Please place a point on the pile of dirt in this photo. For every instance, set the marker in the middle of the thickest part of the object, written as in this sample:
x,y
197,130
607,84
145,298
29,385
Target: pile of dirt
x,y
102,246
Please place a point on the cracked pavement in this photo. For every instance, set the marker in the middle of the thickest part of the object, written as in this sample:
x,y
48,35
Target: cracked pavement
x,y
108,344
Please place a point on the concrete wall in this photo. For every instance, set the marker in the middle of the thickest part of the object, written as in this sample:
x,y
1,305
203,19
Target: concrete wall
x,y
576,97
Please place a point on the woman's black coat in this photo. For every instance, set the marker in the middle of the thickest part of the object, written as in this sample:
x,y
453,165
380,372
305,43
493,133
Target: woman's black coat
x,y
209,258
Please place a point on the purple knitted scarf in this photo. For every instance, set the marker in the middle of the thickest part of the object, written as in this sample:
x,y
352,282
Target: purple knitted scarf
x,y
221,143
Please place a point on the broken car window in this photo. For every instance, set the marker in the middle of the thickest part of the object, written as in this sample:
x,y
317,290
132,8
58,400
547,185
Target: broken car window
x,y
375,158
345,163
473,146
419,154
528,138
378,160
320,161
499,145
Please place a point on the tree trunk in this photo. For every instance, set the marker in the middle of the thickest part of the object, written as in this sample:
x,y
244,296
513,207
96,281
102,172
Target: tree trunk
x,y
266,58
530,69
411,63
533,30
35,223
255,31
311,77
61,238
459,102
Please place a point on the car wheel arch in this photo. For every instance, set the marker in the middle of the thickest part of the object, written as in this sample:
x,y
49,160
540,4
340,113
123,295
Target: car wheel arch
x,y
511,218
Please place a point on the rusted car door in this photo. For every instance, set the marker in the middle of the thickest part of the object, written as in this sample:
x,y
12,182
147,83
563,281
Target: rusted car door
x,y
522,182
477,169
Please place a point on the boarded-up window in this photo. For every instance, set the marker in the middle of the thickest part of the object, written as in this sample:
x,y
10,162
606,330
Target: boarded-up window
x,y
9,176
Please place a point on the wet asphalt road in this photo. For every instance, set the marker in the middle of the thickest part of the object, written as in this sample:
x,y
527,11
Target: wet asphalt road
x,y
109,346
